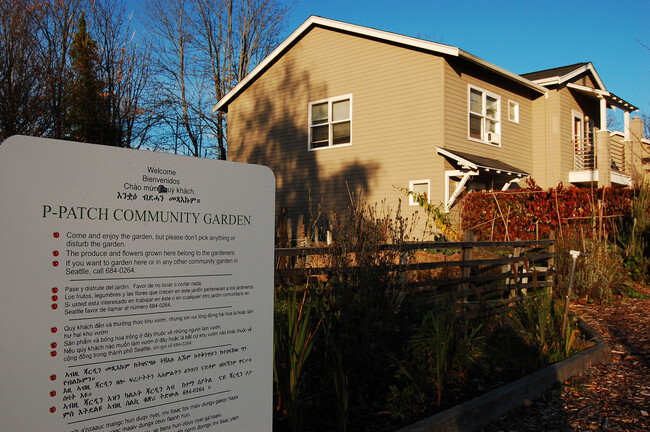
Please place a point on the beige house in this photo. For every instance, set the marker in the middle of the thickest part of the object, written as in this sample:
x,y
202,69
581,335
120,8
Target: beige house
x,y
340,111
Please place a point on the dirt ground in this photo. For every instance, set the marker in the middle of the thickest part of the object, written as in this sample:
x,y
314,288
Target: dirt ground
x,y
610,397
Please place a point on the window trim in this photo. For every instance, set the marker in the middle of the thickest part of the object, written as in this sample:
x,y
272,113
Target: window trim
x,y
330,101
483,115
514,104
413,182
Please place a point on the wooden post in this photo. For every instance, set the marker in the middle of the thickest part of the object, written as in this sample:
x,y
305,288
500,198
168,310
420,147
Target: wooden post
x,y
301,241
282,235
550,272
466,271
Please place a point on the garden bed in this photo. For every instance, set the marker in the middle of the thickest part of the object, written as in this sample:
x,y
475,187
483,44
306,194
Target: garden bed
x,y
473,414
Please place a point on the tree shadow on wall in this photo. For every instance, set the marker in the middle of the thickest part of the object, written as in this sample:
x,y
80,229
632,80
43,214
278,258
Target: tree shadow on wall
x,y
270,127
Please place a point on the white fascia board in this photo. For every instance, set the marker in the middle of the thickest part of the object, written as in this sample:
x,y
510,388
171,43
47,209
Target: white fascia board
x,y
564,78
620,179
548,81
388,36
501,71
588,89
586,68
463,162
263,64
381,35
600,82
341,26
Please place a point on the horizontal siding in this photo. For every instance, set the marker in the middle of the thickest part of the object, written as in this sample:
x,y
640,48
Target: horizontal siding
x,y
396,119
516,138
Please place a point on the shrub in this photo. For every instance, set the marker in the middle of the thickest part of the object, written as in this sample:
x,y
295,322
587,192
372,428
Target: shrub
x,y
360,303
599,272
526,213
634,235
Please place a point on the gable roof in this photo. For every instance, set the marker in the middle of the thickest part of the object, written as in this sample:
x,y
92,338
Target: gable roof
x,y
380,35
564,74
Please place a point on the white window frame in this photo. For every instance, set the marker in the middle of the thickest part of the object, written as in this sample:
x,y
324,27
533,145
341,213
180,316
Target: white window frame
x,y
513,106
496,141
330,123
412,202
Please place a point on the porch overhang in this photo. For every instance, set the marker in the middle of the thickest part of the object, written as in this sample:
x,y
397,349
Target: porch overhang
x,y
467,166
469,162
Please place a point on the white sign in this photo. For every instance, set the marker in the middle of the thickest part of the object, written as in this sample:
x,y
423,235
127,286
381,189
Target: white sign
x,y
137,290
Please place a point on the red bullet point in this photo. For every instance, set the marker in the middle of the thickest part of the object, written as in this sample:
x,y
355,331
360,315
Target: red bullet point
x,y
52,393
52,353
52,409
55,234
55,306
55,263
55,298
52,377
53,345
55,290
54,329
55,253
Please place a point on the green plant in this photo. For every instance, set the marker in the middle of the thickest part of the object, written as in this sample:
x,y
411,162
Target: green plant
x,y
599,271
634,235
293,340
538,321
444,342
360,302
437,214
633,293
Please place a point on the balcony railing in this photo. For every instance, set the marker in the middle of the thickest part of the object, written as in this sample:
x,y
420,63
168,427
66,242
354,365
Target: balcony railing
x,y
584,155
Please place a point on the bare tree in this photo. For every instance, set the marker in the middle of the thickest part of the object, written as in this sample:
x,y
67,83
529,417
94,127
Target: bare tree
x,y
21,93
169,21
203,50
125,68
56,31
235,35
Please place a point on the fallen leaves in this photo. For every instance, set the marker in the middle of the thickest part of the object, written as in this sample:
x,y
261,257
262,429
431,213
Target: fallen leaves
x,y
609,397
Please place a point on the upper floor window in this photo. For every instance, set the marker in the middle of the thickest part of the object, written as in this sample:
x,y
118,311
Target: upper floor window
x,y
330,122
513,111
484,116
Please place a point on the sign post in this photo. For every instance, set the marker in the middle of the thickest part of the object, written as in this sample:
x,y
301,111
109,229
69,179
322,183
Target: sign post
x,y
137,290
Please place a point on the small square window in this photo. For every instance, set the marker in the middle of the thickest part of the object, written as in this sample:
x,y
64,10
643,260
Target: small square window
x,y
420,187
513,111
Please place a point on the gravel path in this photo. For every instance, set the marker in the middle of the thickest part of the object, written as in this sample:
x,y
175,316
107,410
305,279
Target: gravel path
x,y
610,397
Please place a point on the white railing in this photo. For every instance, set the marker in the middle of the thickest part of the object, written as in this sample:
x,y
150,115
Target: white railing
x,y
584,155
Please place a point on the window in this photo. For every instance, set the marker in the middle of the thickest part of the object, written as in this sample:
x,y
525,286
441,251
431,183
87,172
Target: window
x,y
513,111
484,116
419,187
330,122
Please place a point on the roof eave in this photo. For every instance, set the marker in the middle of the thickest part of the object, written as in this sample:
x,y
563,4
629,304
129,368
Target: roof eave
x,y
337,25
557,80
506,73
372,33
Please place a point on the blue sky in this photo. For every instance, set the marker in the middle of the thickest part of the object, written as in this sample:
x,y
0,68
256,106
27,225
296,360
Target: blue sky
x,y
520,36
